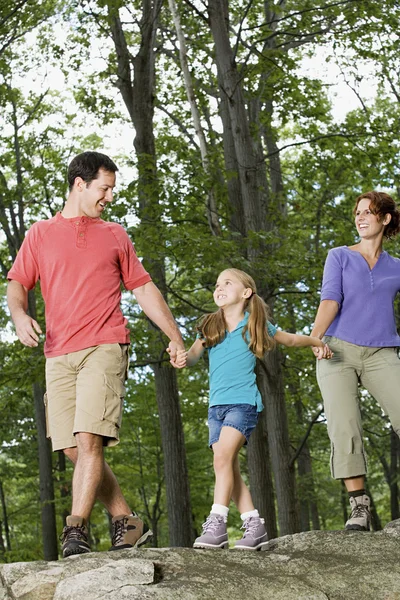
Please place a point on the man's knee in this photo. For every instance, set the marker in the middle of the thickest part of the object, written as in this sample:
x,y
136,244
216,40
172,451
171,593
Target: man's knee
x,y
89,443
71,454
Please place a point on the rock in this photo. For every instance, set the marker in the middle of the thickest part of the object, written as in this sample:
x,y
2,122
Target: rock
x,y
316,565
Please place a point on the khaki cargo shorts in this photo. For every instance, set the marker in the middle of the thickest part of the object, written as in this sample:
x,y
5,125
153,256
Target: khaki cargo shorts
x,y
85,393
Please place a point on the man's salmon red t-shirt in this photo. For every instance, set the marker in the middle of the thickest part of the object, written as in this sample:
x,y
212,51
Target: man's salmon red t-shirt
x,y
80,263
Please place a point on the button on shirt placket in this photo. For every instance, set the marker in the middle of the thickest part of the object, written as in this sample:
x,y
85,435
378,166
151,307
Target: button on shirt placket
x,y
81,227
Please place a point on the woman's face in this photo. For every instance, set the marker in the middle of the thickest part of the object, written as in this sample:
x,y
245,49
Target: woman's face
x,y
368,225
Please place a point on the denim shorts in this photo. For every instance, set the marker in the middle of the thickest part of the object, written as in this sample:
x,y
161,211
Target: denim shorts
x,y
242,417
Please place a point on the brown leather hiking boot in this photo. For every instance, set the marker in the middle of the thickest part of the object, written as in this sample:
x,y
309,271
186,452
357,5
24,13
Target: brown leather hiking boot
x,y
74,537
129,532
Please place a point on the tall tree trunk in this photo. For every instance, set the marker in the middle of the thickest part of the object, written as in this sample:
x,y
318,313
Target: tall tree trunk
x,y
5,517
271,387
138,96
375,519
46,483
248,163
255,198
65,489
212,213
261,482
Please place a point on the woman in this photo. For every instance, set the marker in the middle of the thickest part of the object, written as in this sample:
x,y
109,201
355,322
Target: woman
x,y
356,316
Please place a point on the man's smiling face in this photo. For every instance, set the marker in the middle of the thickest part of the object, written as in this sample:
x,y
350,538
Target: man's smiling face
x,y
94,197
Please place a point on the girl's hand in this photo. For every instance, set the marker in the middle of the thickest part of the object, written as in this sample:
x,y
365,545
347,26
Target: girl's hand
x,y
322,352
179,361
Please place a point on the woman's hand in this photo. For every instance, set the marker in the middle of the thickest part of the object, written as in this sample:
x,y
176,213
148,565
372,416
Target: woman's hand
x,y
322,352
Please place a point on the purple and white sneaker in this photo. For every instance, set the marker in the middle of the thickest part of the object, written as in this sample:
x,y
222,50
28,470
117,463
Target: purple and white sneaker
x,y
255,536
214,533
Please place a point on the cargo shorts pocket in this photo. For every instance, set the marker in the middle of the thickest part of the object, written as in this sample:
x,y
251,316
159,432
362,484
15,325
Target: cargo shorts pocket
x,y
113,399
46,414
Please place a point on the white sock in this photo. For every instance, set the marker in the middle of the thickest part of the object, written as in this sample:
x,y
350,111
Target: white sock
x,y
220,509
250,513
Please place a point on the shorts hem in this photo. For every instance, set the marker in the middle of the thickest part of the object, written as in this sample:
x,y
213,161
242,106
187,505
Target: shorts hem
x,y
210,443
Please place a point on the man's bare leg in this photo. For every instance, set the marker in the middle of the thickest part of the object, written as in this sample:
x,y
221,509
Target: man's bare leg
x,y
93,479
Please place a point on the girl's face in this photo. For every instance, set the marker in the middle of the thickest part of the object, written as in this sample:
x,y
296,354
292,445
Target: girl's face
x,y
230,291
368,225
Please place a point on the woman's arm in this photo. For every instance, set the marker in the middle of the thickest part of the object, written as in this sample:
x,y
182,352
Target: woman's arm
x,y
327,311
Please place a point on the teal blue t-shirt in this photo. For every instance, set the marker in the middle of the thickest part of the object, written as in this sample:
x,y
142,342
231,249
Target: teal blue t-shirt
x,y
232,364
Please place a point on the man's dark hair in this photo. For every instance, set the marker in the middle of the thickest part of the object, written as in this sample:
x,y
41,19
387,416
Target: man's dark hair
x,y
87,165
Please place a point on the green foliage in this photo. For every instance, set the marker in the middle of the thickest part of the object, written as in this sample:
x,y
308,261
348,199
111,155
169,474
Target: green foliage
x,y
325,166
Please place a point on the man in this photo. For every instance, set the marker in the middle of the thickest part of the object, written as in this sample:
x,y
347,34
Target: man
x,y
80,260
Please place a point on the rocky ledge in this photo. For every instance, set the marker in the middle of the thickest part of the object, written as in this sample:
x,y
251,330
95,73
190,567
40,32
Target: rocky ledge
x,y
316,565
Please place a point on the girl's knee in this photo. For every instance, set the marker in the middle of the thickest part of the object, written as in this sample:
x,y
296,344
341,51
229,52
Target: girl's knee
x,y
223,460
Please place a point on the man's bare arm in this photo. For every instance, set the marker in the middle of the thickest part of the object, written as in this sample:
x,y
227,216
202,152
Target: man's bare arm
x,y
26,327
153,304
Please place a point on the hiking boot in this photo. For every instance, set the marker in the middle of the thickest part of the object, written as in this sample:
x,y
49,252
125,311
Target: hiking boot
x,y
255,536
74,537
129,531
214,533
360,517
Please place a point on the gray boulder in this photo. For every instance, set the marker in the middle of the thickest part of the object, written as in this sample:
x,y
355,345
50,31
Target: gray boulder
x,y
316,565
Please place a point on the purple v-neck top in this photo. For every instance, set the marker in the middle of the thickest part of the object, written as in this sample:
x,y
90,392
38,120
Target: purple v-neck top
x,y
365,297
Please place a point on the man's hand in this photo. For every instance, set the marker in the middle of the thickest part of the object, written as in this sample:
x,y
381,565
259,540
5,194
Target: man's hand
x,y
173,349
27,330
180,360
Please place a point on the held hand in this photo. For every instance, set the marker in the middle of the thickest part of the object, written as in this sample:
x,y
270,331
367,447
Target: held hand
x,y
322,352
27,330
173,348
180,358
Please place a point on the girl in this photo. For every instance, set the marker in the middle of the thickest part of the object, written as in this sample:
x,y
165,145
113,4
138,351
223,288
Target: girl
x,y
234,335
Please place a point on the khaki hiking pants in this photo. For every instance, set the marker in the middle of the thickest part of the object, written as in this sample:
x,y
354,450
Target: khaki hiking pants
x,y
378,370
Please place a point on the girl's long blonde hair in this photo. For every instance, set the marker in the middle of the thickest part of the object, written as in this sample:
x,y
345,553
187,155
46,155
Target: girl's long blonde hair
x,y
212,327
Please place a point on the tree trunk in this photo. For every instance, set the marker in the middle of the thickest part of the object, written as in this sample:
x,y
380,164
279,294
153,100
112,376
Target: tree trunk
x,y
65,488
46,484
255,198
253,194
5,517
212,213
375,520
271,387
177,488
139,99
260,474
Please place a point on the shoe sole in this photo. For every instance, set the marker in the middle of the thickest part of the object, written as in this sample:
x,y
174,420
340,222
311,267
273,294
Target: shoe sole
x,y
356,528
223,546
260,548
146,537
76,551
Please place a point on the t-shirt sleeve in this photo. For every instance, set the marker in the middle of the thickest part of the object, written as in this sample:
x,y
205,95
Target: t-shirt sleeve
x,y
271,329
332,282
133,273
25,269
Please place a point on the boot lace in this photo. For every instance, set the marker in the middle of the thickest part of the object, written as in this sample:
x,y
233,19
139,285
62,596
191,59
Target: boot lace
x,y
359,511
250,525
212,523
119,530
73,532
